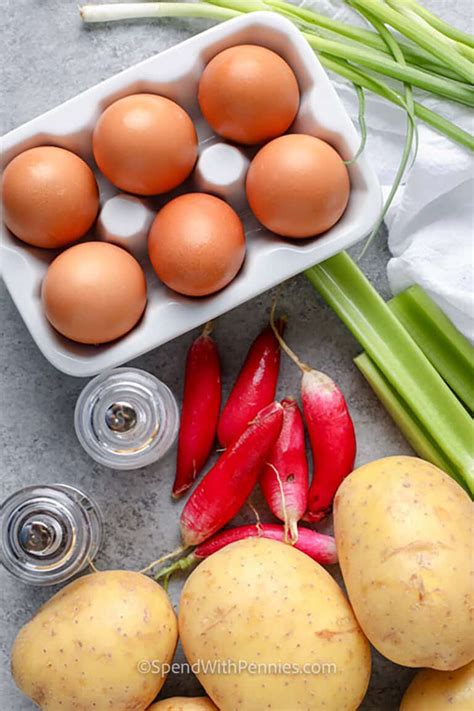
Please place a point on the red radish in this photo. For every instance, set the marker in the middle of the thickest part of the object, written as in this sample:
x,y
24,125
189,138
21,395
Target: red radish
x,y
318,546
226,487
331,433
200,411
254,388
332,437
284,480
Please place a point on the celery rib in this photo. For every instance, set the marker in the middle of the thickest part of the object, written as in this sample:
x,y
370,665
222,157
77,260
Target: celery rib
x,y
447,349
401,361
408,424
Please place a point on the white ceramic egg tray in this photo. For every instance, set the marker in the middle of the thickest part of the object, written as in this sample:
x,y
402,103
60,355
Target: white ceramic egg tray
x,y
221,170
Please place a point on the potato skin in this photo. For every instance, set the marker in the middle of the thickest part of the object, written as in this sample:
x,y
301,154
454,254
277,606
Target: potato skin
x,y
402,529
80,652
263,602
184,703
433,690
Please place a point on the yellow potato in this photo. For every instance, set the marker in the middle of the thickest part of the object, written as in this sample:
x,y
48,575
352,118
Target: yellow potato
x,y
82,650
433,690
403,538
183,703
277,628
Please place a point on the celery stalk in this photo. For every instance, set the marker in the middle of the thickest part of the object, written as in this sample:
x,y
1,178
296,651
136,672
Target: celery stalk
x,y
408,424
401,361
447,349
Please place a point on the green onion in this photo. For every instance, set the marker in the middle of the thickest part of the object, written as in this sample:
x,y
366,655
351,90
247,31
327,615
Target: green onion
x,y
443,50
434,21
447,349
449,129
362,125
428,68
412,132
414,55
399,359
409,425
440,86
152,10
433,24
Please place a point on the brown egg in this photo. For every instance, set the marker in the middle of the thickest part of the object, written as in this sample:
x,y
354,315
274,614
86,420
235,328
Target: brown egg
x,y
298,186
145,144
196,244
94,292
248,94
50,197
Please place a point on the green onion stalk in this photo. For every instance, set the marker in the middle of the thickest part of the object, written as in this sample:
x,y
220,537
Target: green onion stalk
x,y
363,56
425,54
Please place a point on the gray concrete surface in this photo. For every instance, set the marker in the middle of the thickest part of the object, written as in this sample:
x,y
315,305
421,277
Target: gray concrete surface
x,y
48,57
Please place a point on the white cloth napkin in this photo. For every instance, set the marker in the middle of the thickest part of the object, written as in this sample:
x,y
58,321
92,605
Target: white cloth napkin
x,y
431,222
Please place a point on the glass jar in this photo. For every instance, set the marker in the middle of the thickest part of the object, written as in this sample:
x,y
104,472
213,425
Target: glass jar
x,y
126,418
49,533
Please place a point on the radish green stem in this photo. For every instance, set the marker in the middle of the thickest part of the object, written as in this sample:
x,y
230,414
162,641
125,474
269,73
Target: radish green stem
x,y
401,361
181,564
293,530
283,345
164,558
208,328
